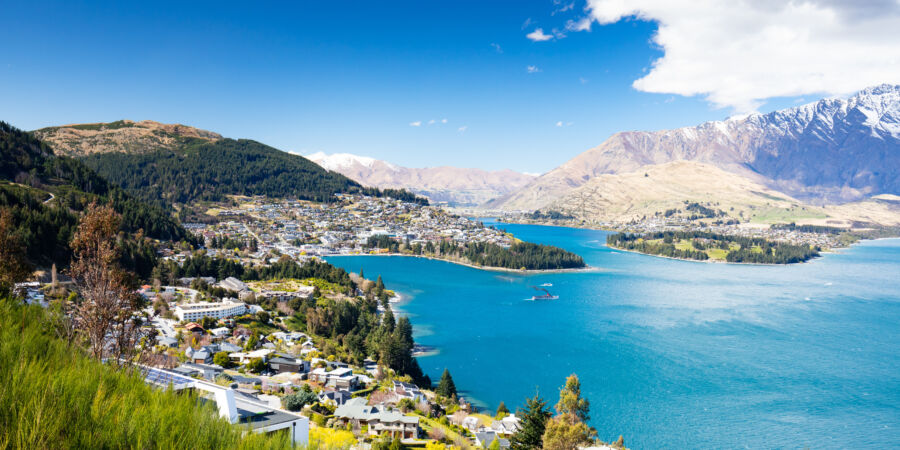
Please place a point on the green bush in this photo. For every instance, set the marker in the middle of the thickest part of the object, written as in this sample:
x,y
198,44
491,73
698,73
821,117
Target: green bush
x,y
296,401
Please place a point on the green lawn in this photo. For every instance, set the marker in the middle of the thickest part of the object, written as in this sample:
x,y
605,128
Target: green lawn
x,y
717,253
255,325
452,435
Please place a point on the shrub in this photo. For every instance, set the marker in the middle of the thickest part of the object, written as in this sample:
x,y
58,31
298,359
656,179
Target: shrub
x,y
296,401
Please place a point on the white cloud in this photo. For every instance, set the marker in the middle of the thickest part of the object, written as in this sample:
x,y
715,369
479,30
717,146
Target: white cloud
x,y
463,128
532,69
497,47
417,123
526,23
559,124
582,24
443,120
431,122
562,7
538,35
739,53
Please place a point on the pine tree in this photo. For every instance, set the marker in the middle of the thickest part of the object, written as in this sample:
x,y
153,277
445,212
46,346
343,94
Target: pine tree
x,y
533,422
446,387
379,286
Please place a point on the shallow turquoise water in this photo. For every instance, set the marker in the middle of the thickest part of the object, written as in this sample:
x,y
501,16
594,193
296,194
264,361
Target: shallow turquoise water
x,y
674,353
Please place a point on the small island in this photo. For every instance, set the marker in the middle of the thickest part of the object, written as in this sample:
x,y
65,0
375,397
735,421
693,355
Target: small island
x,y
707,246
518,256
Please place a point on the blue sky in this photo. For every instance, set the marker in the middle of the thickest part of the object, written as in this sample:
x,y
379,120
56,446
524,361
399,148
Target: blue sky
x,y
346,77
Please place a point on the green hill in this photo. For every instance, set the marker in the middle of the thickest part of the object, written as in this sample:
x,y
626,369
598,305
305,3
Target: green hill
x,y
174,164
203,170
46,192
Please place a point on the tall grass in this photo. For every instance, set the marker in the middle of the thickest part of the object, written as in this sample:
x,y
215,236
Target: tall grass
x,y
54,396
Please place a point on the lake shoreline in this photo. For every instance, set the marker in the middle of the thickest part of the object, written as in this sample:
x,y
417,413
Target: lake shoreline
x,y
716,261
586,268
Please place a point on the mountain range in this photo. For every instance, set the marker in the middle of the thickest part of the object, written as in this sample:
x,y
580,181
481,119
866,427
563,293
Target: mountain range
x,y
827,153
453,185
831,161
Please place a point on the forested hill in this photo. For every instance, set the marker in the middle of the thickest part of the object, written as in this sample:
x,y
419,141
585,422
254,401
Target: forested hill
x,y
45,192
204,170
175,164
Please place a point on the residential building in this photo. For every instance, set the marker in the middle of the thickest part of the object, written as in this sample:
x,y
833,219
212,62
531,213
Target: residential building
x,y
281,364
233,284
379,419
216,310
238,409
485,438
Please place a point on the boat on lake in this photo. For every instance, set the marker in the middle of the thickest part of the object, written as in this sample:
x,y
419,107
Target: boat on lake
x,y
546,296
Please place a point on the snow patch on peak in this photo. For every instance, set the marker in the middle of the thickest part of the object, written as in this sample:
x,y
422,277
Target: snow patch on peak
x,y
338,161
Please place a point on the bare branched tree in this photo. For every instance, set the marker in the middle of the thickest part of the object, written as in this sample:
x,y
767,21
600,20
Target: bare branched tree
x,y
109,312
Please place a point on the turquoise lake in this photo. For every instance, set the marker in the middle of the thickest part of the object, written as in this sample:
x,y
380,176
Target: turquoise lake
x,y
673,353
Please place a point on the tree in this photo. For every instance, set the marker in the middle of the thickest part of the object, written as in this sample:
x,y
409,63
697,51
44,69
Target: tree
x,y
222,359
495,445
570,400
256,365
109,308
13,266
533,425
567,430
298,400
263,316
563,434
446,387
379,286
208,323
502,410
406,405
252,341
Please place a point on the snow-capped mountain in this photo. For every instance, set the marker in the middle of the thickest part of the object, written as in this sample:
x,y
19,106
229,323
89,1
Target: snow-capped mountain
x,y
830,151
346,161
456,186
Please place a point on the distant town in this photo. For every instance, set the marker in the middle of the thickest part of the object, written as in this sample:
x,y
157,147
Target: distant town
x,y
305,229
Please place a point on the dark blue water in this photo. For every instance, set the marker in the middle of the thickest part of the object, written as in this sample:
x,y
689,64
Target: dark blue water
x,y
674,353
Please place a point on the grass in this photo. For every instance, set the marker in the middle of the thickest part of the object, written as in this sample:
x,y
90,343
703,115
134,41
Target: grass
x,y
448,432
781,215
98,126
54,396
685,244
485,419
717,254
255,325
